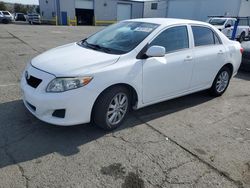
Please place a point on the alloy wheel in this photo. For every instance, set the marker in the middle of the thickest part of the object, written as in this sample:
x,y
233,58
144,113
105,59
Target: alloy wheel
x,y
222,81
117,109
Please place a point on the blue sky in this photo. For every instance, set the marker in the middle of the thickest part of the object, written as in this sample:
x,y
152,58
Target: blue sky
x,y
22,1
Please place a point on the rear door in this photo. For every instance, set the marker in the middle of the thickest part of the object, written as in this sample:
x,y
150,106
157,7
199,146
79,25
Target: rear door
x,y
209,54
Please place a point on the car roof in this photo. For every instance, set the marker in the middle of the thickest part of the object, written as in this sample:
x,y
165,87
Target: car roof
x,y
223,18
167,21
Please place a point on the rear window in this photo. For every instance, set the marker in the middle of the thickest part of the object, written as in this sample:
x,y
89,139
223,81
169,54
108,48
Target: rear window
x,y
204,36
6,13
244,22
217,21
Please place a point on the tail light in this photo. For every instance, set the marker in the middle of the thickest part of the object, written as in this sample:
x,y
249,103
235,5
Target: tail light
x,y
241,50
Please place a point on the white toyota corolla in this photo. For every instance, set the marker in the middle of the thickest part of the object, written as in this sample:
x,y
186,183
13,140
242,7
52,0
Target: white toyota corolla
x,y
131,64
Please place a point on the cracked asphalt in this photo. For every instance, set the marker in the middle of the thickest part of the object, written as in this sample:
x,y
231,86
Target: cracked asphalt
x,y
193,141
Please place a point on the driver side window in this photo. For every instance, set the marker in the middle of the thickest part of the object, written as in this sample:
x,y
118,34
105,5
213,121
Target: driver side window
x,y
173,39
230,22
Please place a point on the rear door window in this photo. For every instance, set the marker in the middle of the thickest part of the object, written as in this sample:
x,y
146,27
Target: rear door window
x,y
6,13
204,36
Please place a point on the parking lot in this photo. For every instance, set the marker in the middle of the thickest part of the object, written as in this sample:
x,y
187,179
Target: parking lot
x,y
193,141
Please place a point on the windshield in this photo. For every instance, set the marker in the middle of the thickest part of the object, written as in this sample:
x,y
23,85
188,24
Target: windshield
x,y
216,21
6,13
119,38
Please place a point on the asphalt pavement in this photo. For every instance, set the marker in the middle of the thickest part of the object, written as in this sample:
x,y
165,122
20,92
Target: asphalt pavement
x,y
193,141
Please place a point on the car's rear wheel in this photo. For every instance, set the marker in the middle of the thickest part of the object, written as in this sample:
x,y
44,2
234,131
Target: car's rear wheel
x,y
221,82
5,21
111,108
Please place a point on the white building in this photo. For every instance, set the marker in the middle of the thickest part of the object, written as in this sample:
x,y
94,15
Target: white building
x,y
201,9
89,12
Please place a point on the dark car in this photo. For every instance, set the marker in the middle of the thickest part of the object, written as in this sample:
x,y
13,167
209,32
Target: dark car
x,y
20,17
245,65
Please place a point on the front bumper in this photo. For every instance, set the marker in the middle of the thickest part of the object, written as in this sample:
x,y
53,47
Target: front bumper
x,y
77,103
36,21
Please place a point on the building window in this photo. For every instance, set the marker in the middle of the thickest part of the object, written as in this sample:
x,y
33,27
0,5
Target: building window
x,y
154,6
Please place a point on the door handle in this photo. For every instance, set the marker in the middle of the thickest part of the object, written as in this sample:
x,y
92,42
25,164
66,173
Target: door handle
x,y
188,58
220,52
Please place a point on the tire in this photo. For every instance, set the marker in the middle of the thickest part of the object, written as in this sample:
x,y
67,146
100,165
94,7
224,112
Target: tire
x,y
221,82
5,21
242,37
106,114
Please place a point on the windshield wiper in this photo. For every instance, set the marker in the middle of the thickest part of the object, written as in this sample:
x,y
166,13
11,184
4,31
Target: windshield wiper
x,y
97,47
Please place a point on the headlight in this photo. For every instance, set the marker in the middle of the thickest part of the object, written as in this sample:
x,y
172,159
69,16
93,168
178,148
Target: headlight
x,y
65,84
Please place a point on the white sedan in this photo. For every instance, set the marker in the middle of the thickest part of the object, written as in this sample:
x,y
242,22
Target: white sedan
x,y
131,64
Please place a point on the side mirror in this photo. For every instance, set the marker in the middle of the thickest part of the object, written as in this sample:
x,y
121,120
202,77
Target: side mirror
x,y
156,51
228,25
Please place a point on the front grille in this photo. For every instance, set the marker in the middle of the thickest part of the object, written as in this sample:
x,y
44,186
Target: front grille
x,y
33,81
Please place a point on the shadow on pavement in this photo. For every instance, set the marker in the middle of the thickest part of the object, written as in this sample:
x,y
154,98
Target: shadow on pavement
x,y
24,138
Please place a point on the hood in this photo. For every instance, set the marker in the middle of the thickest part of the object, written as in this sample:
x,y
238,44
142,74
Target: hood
x,y
72,60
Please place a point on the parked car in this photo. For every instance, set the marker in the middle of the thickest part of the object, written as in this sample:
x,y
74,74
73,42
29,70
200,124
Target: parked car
x,y
6,17
34,18
131,64
245,65
20,17
226,26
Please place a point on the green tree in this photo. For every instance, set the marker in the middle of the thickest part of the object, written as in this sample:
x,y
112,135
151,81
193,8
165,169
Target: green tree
x,y
38,9
2,6
20,8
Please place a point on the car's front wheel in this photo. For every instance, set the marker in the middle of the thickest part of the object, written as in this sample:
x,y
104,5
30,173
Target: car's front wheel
x,y
221,82
111,108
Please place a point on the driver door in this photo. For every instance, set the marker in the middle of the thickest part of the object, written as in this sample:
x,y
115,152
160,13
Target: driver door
x,y
165,77
228,30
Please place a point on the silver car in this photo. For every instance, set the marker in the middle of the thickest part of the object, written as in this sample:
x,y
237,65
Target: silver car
x,y
6,17
34,18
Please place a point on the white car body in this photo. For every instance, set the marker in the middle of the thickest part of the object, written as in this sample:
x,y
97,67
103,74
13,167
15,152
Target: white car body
x,y
228,31
6,15
154,79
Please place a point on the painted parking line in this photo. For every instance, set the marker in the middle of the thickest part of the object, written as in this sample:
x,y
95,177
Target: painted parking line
x,y
7,85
